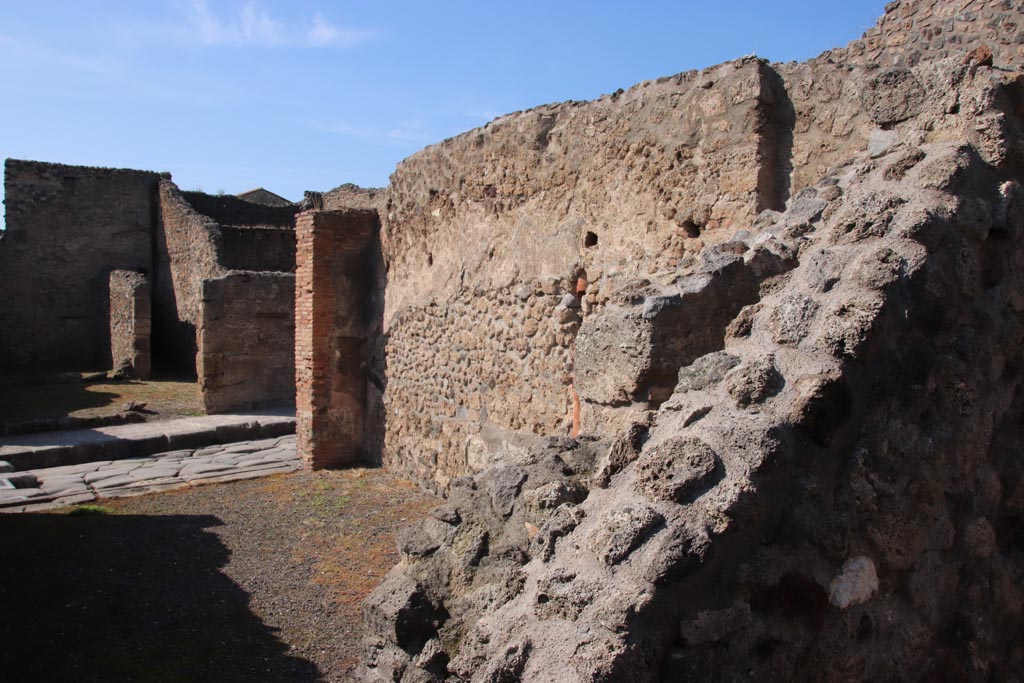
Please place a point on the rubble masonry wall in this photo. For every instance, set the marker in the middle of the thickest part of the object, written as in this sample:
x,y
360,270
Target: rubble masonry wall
x,y
67,228
130,322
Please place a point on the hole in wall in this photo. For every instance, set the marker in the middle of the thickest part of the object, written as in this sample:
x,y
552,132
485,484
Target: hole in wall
x,y
590,240
430,259
690,229
865,628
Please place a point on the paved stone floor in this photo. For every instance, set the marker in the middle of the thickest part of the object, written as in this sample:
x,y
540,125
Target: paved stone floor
x,y
56,486
70,447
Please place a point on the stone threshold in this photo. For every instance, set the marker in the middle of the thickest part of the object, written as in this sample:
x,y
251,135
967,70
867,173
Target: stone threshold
x,y
74,447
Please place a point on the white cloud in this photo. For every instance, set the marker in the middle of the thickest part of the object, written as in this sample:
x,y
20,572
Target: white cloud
x,y
253,26
323,33
401,135
15,50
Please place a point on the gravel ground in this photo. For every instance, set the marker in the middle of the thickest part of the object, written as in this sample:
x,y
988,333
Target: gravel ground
x,y
249,581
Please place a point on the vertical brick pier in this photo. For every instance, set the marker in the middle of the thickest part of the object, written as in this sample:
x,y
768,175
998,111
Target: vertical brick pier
x,y
333,281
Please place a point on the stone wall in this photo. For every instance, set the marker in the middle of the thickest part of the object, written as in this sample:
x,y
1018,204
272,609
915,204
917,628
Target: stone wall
x,y
130,322
490,235
81,248
227,209
258,248
204,236
67,228
830,488
334,335
831,105
188,251
245,337
463,376
350,196
500,241
912,31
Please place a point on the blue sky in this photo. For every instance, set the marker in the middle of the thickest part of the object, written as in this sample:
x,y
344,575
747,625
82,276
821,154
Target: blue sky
x,y
231,95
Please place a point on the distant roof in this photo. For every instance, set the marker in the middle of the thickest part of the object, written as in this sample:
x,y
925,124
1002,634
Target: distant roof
x,y
262,196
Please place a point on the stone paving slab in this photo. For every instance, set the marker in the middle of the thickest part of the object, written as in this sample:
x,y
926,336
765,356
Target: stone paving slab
x,y
120,442
71,484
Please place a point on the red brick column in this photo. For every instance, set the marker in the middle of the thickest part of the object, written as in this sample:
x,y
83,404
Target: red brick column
x,y
332,286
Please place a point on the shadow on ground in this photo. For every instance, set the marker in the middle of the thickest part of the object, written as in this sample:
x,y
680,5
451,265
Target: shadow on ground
x,y
129,598
23,402
27,397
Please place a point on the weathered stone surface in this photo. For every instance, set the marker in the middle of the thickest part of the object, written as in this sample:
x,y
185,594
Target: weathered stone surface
x,y
401,608
561,594
705,371
504,485
622,530
676,470
245,337
422,539
791,320
622,451
564,519
612,355
753,382
892,96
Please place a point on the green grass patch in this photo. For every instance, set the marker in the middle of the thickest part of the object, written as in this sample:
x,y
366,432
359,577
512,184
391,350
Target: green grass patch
x,y
89,510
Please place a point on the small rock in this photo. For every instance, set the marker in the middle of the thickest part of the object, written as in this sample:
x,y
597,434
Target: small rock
x,y
831,193
553,494
678,551
565,315
624,450
805,209
791,320
562,522
423,538
979,56
401,610
855,585
754,382
705,371
447,514
880,142
504,485
123,371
